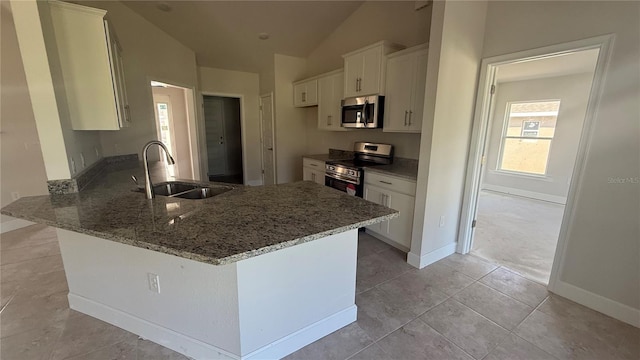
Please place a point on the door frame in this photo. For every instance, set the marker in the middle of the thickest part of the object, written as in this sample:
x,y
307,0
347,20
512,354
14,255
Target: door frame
x,y
273,136
481,121
243,134
193,119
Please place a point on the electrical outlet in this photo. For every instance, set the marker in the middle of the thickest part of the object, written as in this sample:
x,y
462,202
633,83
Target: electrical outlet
x,y
441,221
15,195
154,282
97,152
82,161
73,165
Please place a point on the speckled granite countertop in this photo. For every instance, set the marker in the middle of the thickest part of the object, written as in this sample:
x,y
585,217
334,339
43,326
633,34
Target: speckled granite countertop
x,y
403,168
236,225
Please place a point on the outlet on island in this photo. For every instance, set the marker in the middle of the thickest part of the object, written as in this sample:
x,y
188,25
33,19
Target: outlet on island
x,y
154,282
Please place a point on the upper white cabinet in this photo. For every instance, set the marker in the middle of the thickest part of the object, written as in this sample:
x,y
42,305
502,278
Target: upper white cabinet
x,y
405,87
305,93
91,67
330,88
364,69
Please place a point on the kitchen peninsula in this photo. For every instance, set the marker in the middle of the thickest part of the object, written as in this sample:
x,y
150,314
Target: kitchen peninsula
x,y
253,273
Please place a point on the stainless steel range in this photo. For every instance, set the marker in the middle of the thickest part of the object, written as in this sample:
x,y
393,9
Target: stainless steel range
x,y
348,175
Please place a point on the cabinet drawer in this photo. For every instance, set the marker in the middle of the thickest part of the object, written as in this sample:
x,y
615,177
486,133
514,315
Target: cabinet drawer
x,y
313,164
390,182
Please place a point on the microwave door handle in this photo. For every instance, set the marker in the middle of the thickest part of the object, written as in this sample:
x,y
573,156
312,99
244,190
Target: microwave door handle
x,y
365,110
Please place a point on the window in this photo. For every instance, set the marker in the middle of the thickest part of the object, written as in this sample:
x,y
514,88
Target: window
x,y
165,133
527,135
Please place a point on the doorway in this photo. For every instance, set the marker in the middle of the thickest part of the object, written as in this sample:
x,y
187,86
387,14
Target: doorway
x,y
173,109
223,134
532,116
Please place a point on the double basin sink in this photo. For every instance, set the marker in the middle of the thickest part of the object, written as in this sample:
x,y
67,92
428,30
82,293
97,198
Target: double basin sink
x,y
185,190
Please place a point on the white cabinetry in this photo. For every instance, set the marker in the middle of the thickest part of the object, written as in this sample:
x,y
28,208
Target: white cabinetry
x,y
405,87
395,193
305,93
313,170
364,69
91,67
330,87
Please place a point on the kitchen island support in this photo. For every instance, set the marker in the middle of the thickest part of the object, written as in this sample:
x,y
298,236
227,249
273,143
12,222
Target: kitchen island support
x,y
263,307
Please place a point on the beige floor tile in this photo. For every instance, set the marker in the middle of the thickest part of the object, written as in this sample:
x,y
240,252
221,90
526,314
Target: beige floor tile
x,y
444,278
125,350
8,289
28,236
338,345
34,344
83,334
417,340
26,314
26,269
515,348
368,245
516,286
469,330
148,350
373,352
469,265
380,312
43,285
416,291
17,255
501,309
379,267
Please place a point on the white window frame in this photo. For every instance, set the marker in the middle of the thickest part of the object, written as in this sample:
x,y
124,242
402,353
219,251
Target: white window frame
x,y
504,137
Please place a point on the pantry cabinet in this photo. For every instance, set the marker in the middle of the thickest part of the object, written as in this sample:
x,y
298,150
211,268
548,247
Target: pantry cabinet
x,y
395,193
405,88
364,69
305,93
330,88
91,64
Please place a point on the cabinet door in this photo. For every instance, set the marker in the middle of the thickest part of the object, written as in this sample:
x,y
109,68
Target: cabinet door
x,y
299,94
311,93
325,102
419,85
318,177
371,72
398,95
335,122
352,74
375,195
307,174
399,229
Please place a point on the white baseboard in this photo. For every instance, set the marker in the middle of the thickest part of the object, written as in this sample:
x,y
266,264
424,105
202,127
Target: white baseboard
x,y
11,223
525,193
421,261
254,182
197,349
386,240
598,303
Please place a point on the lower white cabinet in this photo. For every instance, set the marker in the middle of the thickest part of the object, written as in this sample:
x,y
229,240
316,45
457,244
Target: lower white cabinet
x,y
395,193
313,170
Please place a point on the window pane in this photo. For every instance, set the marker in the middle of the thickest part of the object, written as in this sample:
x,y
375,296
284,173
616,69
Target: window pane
x,y
533,119
525,155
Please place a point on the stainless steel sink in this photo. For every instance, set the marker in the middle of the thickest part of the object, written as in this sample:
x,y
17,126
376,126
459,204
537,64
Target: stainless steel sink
x,y
186,190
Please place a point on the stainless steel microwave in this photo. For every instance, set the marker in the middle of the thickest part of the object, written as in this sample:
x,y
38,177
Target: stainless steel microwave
x,y
363,112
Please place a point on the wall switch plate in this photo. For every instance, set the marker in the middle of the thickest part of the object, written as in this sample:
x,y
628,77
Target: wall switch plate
x,y
154,282
97,152
441,224
82,161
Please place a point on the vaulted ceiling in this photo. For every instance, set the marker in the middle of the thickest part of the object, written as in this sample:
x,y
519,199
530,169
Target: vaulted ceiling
x,y
225,34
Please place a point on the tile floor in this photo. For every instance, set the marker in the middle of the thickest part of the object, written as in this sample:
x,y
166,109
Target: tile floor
x,y
461,307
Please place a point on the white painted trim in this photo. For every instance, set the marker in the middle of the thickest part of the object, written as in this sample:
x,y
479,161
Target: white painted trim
x,y
175,341
273,136
599,303
13,224
243,127
306,336
197,349
386,240
525,193
420,261
254,183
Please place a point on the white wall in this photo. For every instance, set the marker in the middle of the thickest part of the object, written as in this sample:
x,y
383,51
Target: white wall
x,y
21,165
180,131
290,122
148,54
573,93
455,50
247,86
602,244
396,21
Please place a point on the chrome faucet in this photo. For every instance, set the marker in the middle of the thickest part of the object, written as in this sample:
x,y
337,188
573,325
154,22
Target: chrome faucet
x,y
148,186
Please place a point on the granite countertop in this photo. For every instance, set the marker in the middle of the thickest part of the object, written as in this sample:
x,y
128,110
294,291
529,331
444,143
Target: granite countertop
x,y
320,157
236,225
407,170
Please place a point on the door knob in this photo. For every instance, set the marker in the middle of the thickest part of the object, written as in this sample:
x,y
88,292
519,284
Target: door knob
x,y
270,149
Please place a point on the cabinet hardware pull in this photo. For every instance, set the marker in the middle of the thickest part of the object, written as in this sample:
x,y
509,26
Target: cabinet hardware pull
x,y
410,112
386,182
405,117
304,96
316,165
313,176
356,84
329,120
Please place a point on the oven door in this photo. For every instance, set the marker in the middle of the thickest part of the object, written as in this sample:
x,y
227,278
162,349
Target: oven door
x,y
345,185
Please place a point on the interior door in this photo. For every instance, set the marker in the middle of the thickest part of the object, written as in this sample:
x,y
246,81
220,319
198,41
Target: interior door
x,y
215,135
268,144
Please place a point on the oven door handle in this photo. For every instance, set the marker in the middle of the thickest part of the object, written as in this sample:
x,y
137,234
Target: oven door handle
x,y
342,178
365,112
